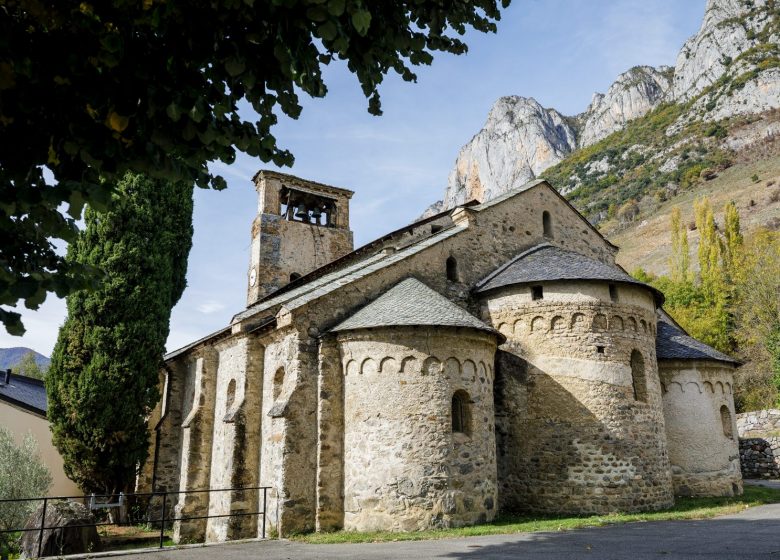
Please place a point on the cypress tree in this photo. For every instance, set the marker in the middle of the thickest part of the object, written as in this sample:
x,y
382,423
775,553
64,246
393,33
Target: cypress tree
x,y
103,378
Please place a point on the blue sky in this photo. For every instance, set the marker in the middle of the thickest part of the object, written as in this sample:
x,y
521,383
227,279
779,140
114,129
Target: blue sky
x,y
557,51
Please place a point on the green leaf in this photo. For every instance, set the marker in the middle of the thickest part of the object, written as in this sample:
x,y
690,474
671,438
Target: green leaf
x,y
328,31
76,204
336,7
12,322
234,66
361,20
317,13
35,300
174,112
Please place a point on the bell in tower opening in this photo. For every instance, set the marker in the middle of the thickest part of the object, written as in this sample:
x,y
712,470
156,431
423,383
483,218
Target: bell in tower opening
x,y
302,206
300,226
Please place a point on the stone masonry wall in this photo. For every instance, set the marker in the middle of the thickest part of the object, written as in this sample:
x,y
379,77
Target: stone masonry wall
x,y
701,434
330,437
404,467
759,443
759,423
285,247
166,476
507,228
289,428
197,431
236,440
281,247
760,457
571,435
289,404
161,471
288,459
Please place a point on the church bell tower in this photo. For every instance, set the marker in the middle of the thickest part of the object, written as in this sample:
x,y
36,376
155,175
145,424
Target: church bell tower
x,y
300,226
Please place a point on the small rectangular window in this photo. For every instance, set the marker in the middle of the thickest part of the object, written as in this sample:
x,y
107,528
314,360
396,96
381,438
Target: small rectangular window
x,y
600,349
537,292
613,292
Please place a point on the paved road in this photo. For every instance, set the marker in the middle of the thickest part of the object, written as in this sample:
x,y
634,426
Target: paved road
x,y
754,533
769,483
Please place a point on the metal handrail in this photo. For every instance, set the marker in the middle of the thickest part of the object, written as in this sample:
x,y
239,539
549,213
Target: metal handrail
x,y
162,520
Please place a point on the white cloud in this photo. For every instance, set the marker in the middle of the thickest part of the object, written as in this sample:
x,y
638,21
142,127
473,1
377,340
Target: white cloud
x,y
209,307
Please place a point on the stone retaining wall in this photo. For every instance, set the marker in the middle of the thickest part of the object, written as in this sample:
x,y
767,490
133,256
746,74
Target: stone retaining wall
x,y
759,423
759,443
760,457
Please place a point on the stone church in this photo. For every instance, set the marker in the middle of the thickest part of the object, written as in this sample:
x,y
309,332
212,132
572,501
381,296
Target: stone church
x,y
490,357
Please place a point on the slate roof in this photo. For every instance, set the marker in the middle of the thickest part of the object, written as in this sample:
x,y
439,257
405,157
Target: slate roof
x,y
546,262
412,303
318,287
358,264
179,351
363,262
673,343
24,392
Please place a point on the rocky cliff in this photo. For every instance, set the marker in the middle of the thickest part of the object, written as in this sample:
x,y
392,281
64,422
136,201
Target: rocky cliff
x,y
729,28
519,140
633,94
730,67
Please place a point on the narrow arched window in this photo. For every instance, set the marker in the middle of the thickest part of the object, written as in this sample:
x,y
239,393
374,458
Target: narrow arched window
x,y
725,419
461,413
294,276
452,269
547,224
278,382
638,377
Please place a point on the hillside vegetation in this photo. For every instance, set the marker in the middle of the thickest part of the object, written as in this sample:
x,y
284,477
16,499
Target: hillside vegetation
x,y
693,202
645,242
632,172
677,146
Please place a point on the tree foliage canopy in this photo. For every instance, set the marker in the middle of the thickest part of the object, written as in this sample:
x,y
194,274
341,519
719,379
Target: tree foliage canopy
x,y
733,302
103,377
23,476
28,366
91,90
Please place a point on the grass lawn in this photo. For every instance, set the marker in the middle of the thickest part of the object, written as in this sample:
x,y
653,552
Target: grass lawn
x,y
684,508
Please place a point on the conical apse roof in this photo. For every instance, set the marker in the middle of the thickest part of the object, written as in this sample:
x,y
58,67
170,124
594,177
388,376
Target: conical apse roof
x,y
412,303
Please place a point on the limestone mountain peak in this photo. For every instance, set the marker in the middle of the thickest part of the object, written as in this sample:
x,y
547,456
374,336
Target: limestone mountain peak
x,y
730,67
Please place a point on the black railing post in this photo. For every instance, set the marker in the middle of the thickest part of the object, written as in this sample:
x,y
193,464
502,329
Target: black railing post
x,y
265,509
43,524
162,519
